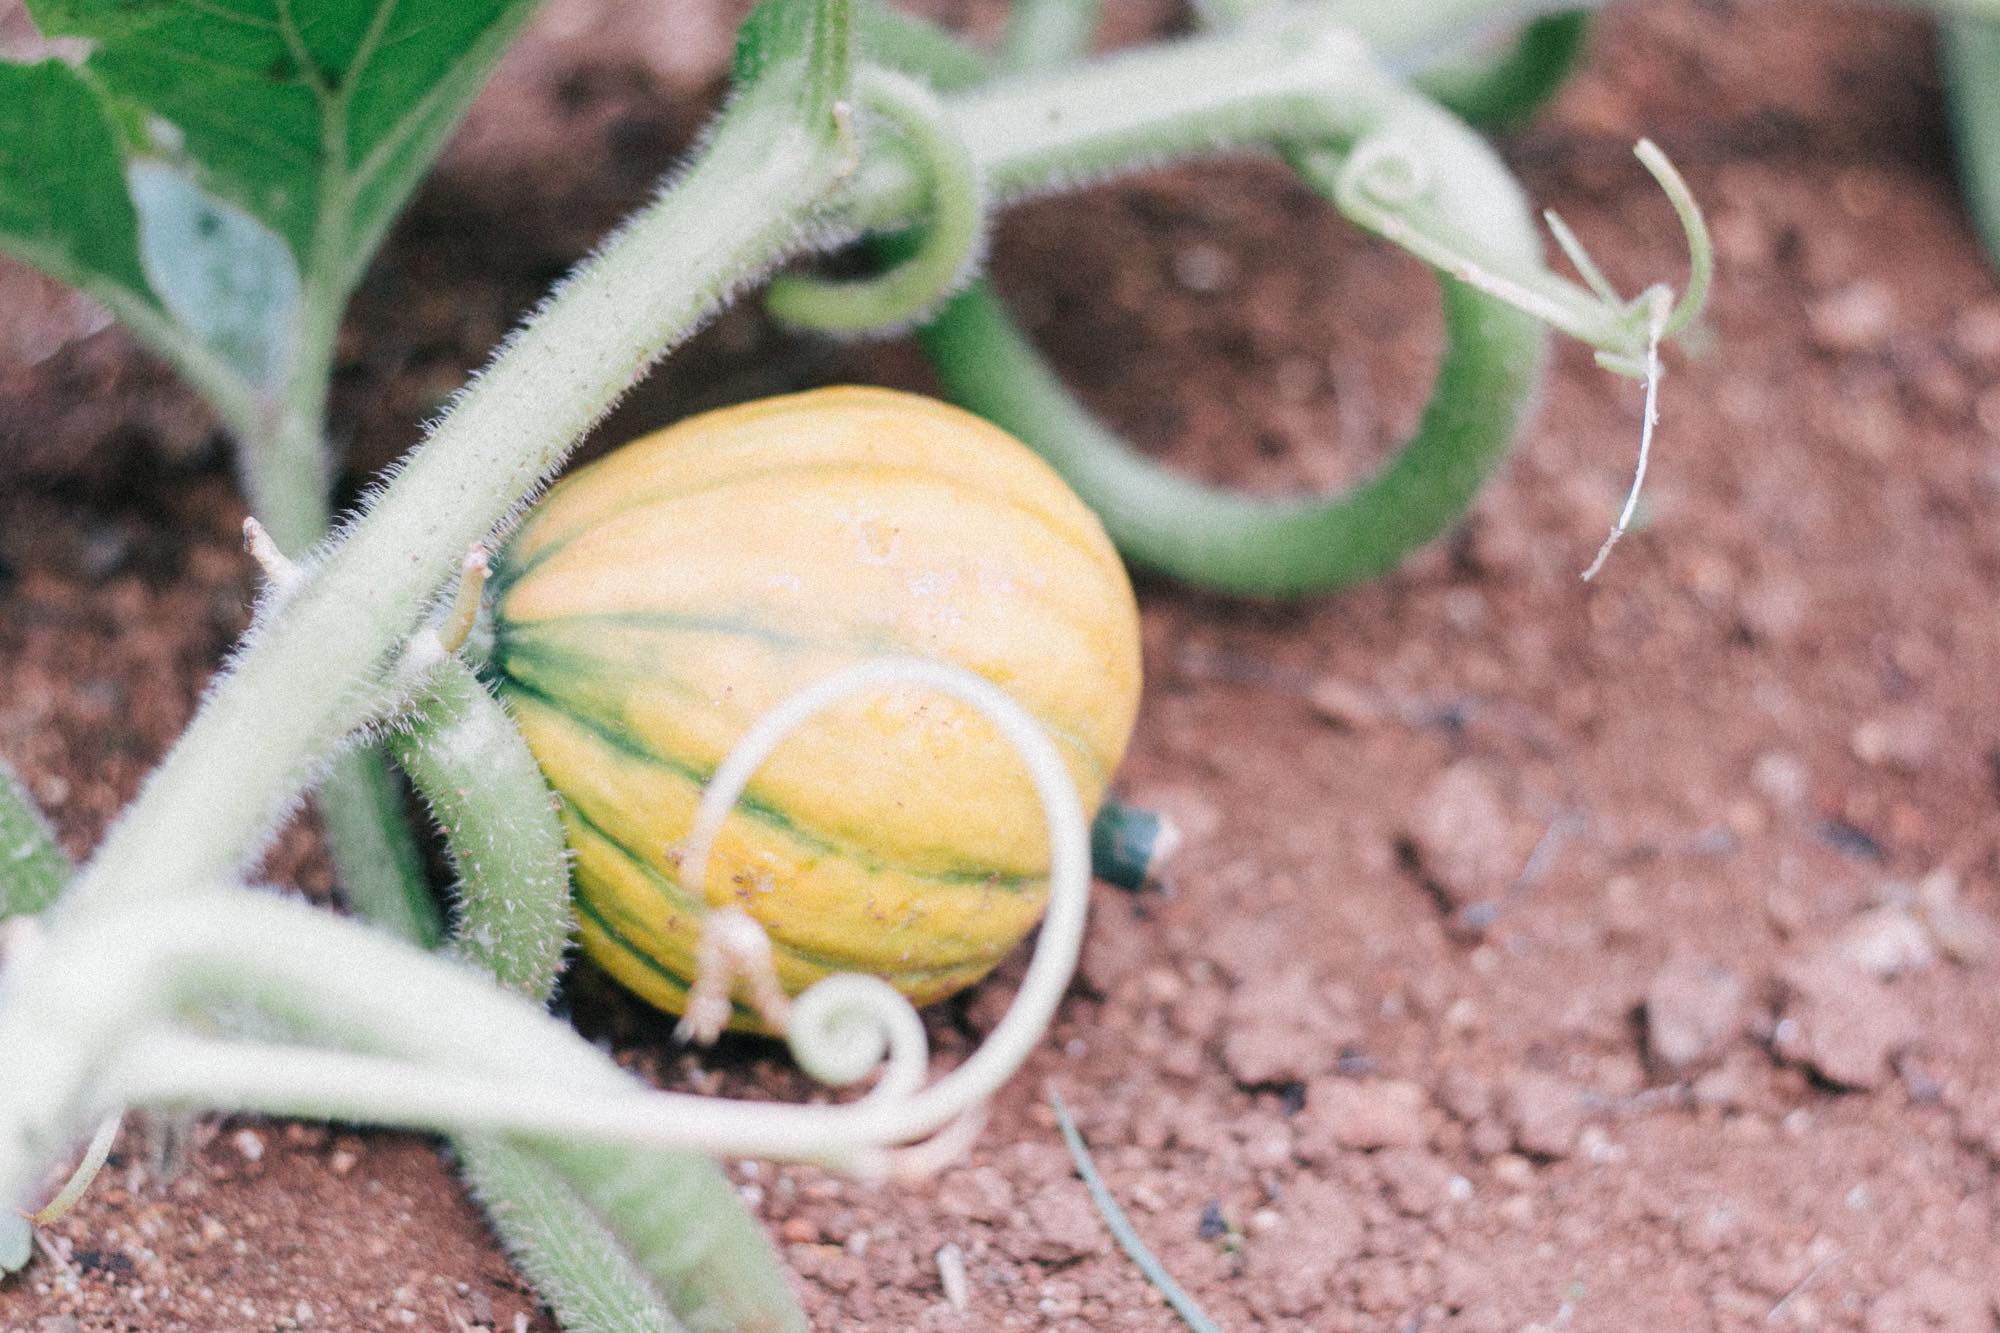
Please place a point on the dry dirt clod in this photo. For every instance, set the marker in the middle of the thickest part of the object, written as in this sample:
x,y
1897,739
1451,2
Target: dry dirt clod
x,y
1886,942
1418,1183
1840,1022
1118,944
1062,1225
1343,1115
1545,1114
1856,318
1935,1301
1291,1272
1463,838
1694,1006
1961,931
1281,1030
1343,703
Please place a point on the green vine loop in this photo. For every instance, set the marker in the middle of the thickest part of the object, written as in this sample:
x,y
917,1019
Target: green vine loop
x,y
1418,179
1239,543
950,245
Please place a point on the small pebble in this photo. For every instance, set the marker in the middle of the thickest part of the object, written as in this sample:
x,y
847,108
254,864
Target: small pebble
x,y
1961,931
1545,1114
951,1277
1463,837
1886,942
1204,268
1342,1114
1693,1007
1856,318
1343,703
1840,1022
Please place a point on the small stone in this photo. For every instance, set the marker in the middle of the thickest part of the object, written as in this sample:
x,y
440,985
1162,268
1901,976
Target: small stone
x,y
1840,1022
1856,318
1693,1007
1418,1183
1204,268
1063,1225
1711,1229
1782,779
1905,740
1463,838
1932,1300
1545,1115
1343,1115
1886,942
1279,1029
951,1278
1963,932
1289,1279
1343,703
976,1194
248,1144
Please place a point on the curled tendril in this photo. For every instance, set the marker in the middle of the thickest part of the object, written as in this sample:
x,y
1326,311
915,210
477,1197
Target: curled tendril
x,y
1387,171
1384,184
952,241
843,1027
847,1025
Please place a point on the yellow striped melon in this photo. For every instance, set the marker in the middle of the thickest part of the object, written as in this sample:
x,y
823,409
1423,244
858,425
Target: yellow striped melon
x,y
657,602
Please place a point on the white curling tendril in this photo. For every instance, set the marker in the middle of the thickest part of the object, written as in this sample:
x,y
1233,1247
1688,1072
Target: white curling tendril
x,y
849,1024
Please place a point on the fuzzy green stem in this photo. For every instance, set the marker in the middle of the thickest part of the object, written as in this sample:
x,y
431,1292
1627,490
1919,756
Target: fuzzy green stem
x,y
950,244
107,982
380,871
577,1263
33,868
318,669
601,1231
465,756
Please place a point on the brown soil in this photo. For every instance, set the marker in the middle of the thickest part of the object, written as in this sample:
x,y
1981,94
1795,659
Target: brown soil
x,y
1543,955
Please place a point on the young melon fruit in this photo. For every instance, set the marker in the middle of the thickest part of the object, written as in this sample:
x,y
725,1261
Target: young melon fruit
x,y
659,601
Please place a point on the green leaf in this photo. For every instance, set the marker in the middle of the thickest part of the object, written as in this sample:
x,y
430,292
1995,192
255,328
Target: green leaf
x,y
63,205
224,275
315,117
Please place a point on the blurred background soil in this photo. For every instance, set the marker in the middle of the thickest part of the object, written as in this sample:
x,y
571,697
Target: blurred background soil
x,y
1543,955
